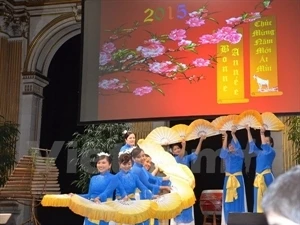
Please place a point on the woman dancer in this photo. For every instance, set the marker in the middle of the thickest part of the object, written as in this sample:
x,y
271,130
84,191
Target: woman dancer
x,y
264,161
129,138
102,185
154,170
234,196
129,181
153,183
187,215
180,153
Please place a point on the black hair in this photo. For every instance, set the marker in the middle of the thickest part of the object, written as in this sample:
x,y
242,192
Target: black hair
x,y
125,158
126,135
135,152
177,144
271,141
108,158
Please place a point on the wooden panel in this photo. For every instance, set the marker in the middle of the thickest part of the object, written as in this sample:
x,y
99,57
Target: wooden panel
x,y
141,129
289,149
10,78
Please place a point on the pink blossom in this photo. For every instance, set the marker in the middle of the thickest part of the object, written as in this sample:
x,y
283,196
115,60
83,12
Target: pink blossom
x,y
226,31
233,38
104,58
111,84
209,39
200,62
195,22
234,20
162,67
151,48
177,35
229,34
143,90
184,43
108,47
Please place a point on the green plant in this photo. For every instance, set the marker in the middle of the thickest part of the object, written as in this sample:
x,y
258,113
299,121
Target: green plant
x,y
8,137
94,139
294,134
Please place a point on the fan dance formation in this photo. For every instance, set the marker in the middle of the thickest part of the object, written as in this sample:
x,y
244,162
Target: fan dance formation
x,y
153,186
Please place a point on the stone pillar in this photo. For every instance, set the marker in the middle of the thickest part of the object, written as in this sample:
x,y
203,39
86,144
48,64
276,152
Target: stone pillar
x,y
30,112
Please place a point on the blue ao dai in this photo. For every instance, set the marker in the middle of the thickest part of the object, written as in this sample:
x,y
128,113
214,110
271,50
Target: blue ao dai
x,y
264,161
102,186
233,164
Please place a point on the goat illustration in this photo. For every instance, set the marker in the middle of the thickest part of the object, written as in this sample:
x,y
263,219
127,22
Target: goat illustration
x,y
261,82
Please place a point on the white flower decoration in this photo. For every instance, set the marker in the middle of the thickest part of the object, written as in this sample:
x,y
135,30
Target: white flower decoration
x,y
103,153
125,132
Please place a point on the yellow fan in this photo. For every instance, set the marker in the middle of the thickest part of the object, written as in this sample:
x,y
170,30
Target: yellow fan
x,y
200,127
87,208
159,156
251,118
189,174
177,171
164,136
133,212
181,130
271,122
147,144
225,123
169,206
185,192
217,121
56,200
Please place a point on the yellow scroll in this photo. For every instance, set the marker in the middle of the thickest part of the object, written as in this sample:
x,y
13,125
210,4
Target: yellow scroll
x,y
230,73
263,58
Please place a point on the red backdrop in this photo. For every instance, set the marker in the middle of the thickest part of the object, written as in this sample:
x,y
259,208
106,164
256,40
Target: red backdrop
x,y
198,97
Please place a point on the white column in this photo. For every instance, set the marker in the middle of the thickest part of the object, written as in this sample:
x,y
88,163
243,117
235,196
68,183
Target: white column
x,y
30,112
29,123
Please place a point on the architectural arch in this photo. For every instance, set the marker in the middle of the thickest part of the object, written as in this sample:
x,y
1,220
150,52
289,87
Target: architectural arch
x,y
48,41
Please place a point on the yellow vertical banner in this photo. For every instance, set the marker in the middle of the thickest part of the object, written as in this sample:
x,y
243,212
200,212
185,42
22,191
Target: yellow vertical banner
x,y
230,73
263,58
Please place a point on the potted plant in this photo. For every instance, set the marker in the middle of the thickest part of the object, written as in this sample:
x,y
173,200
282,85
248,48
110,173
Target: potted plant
x,y
293,123
8,137
95,139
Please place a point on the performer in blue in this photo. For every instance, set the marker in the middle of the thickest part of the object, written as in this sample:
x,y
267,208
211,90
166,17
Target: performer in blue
x,y
234,196
129,181
150,181
102,185
264,160
129,138
180,152
186,216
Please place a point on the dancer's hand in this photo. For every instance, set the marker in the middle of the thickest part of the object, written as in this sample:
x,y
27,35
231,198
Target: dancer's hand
x,y
70,194
125,198
166,178
247,127
224,134
97,200
233,129
183,143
